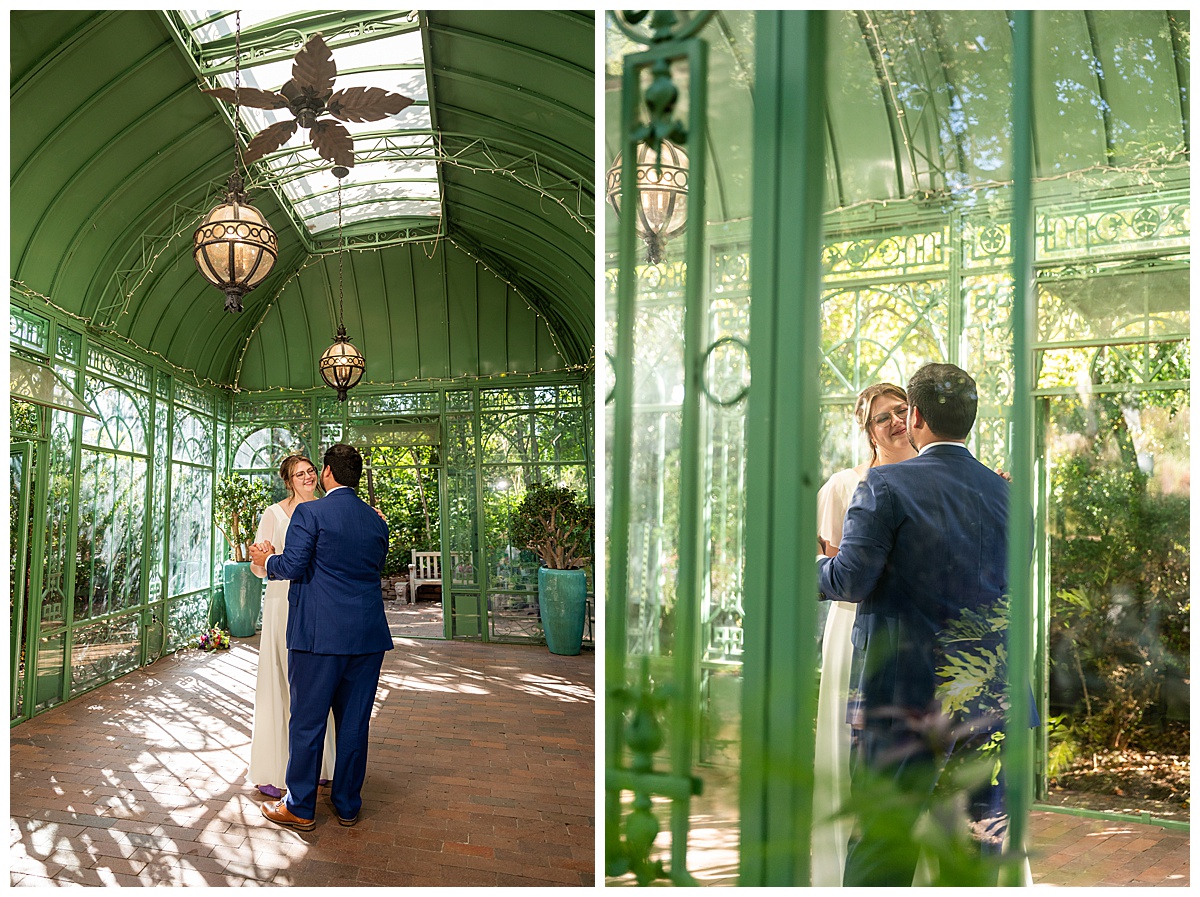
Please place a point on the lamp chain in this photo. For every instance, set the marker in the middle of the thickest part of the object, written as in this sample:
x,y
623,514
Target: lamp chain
x,y
341,258
237,89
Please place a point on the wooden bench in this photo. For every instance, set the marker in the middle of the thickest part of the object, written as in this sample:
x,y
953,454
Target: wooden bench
x,y
426,570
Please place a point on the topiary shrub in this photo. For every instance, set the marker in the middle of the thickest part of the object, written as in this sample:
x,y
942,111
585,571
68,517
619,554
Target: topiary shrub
x,y
551,522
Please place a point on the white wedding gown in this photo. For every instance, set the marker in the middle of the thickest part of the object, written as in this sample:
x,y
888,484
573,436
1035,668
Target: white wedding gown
x,y
272,706
831,755
831,758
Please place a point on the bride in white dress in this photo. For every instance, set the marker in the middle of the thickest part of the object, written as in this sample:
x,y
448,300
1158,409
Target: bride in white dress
x,y
880,413
272,705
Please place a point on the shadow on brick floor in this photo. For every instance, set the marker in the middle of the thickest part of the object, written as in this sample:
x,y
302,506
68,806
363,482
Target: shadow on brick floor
x,y
481,772
1065,850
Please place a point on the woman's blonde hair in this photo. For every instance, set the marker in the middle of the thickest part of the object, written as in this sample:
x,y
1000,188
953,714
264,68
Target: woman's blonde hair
x,y
862,409
288,465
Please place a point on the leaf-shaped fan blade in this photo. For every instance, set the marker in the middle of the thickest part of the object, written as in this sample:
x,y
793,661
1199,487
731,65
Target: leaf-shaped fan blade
x,y
366,104
314,67
249,96
333,142
268,140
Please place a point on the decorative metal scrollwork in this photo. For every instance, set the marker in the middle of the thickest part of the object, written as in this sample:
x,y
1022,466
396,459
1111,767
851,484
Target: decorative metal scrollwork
x,y
664,24
660,99
1145,222
992,239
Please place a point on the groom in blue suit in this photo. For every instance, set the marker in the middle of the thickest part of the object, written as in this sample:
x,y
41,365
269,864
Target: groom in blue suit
x,y
922,541
337,633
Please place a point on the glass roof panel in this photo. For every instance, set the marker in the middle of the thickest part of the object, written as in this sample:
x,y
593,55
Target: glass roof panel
x,y
395,174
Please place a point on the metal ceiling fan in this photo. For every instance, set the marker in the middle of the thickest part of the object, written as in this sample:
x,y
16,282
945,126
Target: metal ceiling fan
x,y
309,94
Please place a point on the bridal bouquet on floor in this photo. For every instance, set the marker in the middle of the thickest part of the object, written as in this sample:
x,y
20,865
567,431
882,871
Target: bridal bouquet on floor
x,y
215,639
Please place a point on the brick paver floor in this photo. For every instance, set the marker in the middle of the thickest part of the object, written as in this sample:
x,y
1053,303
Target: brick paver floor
x,y
1065,850
481,772
1081,851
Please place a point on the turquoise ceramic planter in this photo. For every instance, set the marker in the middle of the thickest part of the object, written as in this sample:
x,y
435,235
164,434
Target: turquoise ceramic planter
x,y
243,599
562,601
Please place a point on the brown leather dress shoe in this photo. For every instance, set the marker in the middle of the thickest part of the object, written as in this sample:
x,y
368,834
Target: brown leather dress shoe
x,y
278,813
347,822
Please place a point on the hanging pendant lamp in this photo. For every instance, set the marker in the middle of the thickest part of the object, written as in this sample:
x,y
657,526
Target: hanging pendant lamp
x,y
662,188
234,247
341,365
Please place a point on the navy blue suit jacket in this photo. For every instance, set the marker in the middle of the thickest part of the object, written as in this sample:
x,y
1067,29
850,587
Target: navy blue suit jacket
x,y
334,557
922,540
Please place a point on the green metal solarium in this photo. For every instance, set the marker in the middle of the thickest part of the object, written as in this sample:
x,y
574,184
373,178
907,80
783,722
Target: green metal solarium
x,y
457,250
809,202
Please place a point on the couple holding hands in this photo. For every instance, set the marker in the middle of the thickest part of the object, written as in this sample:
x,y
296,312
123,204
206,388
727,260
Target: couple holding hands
x,y
324,607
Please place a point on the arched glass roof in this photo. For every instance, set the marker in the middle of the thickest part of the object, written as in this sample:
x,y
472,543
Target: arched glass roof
x,y
387,52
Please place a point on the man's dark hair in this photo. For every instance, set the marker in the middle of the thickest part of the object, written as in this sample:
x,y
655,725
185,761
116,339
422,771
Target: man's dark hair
x,y
948,399
345,463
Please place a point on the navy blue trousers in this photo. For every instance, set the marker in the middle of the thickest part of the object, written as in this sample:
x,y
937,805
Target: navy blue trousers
x,y
318,683
882,851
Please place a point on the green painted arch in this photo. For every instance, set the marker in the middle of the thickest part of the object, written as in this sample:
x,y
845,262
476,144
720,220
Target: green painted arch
x,y
119,155
434,313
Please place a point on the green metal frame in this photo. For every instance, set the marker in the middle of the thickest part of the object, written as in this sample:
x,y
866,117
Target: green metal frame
x,y
1018,740
109,169
783,438
629,849
18,637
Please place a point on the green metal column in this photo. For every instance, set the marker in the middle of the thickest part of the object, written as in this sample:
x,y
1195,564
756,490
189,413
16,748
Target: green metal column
x,y
72,549
18,593
1018,743
37,551
155,444
783,434
628,848
483,570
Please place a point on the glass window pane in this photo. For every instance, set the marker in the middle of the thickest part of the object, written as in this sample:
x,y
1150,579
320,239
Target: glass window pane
x,y
191,528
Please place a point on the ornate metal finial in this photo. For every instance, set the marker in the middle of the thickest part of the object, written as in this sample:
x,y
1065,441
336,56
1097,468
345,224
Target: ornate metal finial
x,y
661,97
644,736
664,26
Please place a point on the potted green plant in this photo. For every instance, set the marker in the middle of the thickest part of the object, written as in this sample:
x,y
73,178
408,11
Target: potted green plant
x,y
238,503
551,522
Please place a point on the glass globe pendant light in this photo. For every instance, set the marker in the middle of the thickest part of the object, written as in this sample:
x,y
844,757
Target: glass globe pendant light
x,y
341,365
234,247
662,183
